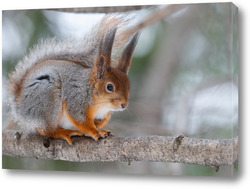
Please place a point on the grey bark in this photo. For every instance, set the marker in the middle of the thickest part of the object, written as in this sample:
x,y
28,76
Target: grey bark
x,y
153,148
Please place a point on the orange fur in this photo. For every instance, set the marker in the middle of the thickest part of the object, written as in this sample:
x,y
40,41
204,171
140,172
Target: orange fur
x,y
59,133
102,123
90,126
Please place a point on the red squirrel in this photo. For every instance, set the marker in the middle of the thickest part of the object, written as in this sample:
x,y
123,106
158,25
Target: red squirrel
x,y
73,83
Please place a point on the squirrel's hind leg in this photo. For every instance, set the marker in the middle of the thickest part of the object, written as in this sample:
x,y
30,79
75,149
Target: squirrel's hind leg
x,y
60,133
65,134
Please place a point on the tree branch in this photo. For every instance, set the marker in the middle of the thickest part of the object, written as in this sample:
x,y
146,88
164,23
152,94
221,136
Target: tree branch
x,y
111,9
153,148
158,14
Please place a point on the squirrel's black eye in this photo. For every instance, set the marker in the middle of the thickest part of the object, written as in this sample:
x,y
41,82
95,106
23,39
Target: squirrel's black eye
x,y
110,87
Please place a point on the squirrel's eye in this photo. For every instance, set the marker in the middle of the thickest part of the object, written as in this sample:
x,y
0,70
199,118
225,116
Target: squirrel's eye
x,y
110,87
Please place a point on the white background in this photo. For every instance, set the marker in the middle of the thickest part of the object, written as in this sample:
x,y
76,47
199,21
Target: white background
x,y
45,179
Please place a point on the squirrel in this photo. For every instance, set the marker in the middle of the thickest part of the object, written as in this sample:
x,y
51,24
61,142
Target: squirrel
x,y
72,83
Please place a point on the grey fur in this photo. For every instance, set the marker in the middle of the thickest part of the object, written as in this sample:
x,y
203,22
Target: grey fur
x,y
44,89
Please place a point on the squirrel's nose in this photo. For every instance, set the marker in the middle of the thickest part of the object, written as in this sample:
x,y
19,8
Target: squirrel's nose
x,y
123,106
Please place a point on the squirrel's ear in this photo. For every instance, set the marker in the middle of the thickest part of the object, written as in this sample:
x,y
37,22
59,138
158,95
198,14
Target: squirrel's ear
x,y
125,60
103,61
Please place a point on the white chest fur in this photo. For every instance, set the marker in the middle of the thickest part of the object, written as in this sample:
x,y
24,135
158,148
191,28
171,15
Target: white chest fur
x,y
102,112
66,124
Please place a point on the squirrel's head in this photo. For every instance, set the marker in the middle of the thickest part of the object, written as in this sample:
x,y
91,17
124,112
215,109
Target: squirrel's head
x,y
111,84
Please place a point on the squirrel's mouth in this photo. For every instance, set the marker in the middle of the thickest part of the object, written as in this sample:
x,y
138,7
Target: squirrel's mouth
x,y
104,110
118,109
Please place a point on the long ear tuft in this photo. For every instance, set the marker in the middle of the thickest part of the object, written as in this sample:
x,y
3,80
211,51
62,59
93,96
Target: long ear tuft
x,y
103,61
125,60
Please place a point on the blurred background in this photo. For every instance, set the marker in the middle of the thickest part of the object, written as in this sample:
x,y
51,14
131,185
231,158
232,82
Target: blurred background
x,y
184,79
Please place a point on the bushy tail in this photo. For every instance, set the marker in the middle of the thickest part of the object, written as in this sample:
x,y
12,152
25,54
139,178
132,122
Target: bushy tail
x,y
82,51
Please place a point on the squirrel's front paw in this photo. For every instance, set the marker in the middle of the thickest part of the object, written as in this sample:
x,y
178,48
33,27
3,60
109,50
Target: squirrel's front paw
x,y
101,134
104,133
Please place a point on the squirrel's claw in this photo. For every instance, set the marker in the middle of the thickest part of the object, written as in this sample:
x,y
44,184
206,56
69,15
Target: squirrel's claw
x,y
104,133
